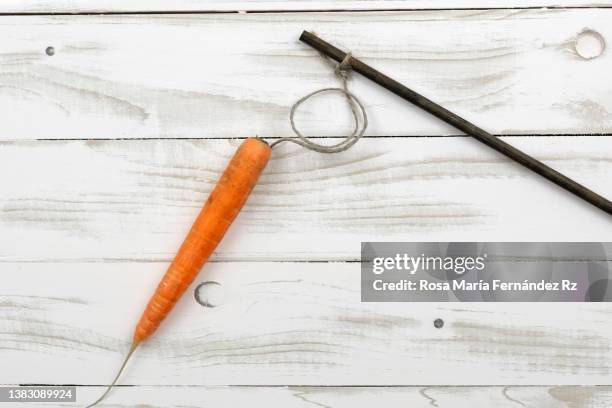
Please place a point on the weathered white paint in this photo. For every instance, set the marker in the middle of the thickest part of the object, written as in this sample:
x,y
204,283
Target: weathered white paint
x,y
126,199
230,75
347,397
284,324
117,6
78,219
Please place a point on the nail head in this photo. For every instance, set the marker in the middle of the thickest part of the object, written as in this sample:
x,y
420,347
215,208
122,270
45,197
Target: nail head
x,y
589,44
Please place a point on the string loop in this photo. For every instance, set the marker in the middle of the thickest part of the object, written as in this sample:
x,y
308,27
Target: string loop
x,y
358,111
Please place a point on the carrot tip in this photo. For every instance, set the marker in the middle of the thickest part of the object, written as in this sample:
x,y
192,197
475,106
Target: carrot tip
x,y
133,348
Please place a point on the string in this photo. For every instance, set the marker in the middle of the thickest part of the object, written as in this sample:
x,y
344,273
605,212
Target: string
x,y
342,71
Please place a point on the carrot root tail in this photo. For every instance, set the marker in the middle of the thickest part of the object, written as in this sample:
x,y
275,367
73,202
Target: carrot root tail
x,y
127,358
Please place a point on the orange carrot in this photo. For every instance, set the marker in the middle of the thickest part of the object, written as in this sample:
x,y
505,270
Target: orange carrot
x,y
222,206
220,210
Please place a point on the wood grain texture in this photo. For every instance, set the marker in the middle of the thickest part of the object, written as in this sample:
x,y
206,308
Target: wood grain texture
x,y
116,6
285,324
348,397
229,75
87,226
123,199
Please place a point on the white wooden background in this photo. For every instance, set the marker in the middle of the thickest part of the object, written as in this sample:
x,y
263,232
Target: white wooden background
x,y
110,146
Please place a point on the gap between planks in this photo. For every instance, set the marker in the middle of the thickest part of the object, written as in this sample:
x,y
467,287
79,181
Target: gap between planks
x,y
333,137
281,11
37,7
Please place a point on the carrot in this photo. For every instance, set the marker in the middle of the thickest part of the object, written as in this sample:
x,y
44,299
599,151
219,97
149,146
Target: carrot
x,y
220,210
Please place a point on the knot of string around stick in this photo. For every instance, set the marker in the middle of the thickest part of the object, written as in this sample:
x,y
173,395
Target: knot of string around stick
x,y
358,111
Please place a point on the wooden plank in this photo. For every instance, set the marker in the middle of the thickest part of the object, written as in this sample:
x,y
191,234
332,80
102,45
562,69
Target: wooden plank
x,y
349,397
115,6
285,324
124,199
233,75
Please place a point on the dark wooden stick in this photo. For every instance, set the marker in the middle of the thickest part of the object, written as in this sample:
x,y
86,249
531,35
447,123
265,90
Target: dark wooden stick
x,y
458,122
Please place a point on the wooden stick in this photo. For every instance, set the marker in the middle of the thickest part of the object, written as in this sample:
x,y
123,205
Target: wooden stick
x,y
458,122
